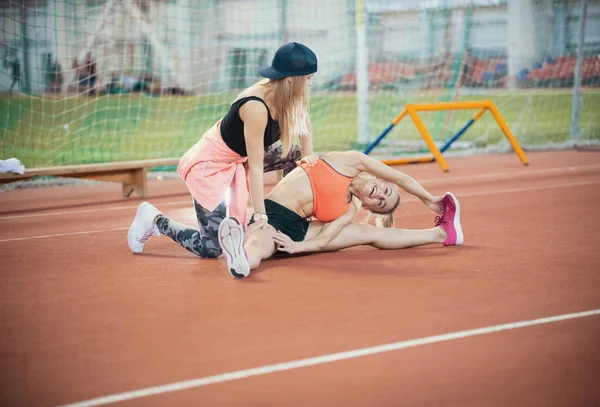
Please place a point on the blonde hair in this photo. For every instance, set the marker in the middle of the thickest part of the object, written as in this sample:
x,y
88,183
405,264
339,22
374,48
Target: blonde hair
x,y
290,100
383,220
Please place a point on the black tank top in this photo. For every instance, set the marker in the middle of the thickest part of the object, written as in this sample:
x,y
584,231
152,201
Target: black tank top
x,y
232,127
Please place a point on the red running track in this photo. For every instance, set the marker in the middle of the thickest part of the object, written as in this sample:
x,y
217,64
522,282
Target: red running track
x,y
81,317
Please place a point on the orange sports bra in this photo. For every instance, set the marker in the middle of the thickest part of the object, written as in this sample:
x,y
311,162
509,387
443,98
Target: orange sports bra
x,y
330,189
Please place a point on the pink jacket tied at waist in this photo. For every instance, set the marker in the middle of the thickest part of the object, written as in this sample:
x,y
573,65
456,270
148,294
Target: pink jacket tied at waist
x,y
209,168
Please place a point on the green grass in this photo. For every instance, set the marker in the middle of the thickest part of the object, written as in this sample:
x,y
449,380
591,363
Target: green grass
x,y
43,131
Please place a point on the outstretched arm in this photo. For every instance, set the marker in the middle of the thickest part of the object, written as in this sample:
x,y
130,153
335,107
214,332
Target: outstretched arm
x,y
320,241
254,116
367,164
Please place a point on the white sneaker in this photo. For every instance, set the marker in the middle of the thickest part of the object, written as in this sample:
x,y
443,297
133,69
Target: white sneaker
x,y
143,227
231,240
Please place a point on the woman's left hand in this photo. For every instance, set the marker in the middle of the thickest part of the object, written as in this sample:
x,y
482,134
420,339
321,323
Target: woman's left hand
x,y
284,242
310,160
436,204
259,224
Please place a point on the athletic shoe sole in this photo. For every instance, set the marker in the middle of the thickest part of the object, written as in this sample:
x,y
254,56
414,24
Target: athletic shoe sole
x,y
231,240
457,226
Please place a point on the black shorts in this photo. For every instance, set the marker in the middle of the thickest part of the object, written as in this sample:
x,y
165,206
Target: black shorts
x,y
286,221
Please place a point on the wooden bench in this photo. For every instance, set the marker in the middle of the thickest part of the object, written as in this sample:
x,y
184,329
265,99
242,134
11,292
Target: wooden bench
x,y
133,175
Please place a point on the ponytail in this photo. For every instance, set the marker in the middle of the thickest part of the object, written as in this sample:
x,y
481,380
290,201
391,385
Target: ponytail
x,y
385,220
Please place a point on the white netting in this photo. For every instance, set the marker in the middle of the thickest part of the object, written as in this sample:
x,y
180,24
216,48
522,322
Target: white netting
x,y
129,79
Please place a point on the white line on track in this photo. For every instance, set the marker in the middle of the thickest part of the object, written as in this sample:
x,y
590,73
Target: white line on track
x,y
77,211
526,189
496,175
426,181
512,190
62,234
318,360
464,195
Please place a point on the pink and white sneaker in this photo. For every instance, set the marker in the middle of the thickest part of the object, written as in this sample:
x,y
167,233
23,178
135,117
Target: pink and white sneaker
x,y
450,221
231,240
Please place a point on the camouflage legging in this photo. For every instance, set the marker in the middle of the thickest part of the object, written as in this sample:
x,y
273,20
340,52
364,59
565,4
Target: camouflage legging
x,y
273,160
205,242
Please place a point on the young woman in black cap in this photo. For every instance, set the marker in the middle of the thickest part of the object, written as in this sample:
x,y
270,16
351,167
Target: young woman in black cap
x,y
233,154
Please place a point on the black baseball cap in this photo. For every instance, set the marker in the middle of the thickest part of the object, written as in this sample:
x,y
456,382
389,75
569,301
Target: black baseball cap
x,y
291,59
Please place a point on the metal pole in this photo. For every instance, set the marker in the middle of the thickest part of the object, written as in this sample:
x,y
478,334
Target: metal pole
x,y
25,85
283,22
362,76
577,85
